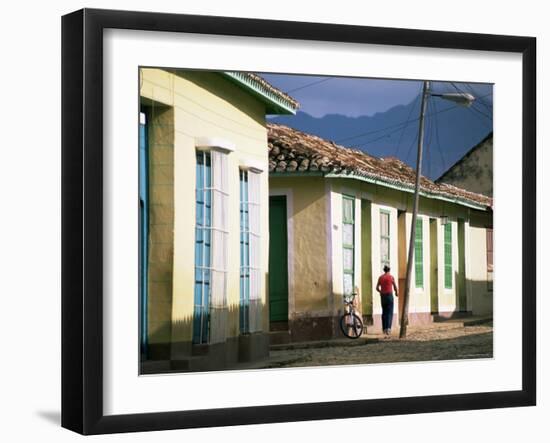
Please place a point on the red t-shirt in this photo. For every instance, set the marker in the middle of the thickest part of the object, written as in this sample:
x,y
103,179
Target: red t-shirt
x,y
386,283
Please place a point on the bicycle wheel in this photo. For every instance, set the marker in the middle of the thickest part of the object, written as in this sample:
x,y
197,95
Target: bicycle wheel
x,y
351,325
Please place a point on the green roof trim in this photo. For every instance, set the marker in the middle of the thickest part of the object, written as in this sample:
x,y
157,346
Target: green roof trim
x,y
394,184
276,101
391,184
297,174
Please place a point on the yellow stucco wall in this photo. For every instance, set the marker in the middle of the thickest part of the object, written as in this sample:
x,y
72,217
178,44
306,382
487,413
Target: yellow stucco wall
x,y
309,265
208,105
161,223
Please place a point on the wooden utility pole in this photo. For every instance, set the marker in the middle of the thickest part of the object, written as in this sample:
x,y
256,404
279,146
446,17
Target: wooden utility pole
x,y
406,295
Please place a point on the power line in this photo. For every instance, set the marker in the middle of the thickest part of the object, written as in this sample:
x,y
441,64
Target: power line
x,y
473,91
415,138
308,85
443,162
408,117
472,106
376,139
396,125
432,124
481,113
389,134
428,137
487,106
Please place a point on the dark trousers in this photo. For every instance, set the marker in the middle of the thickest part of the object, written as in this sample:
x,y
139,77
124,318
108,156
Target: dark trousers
x,y
387,310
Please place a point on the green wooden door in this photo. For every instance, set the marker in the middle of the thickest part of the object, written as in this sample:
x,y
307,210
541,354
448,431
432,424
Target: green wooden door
x,y
278,260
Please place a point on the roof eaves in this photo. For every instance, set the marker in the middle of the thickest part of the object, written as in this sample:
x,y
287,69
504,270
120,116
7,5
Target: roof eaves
x,y
297,174
400,186
276,103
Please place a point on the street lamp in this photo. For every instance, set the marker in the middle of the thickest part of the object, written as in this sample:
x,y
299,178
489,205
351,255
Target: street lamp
x,y
463,99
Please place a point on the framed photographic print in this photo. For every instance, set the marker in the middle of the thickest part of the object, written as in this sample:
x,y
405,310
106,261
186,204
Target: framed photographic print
x,y
263,219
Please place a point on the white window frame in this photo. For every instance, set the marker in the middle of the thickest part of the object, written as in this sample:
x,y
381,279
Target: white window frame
x,y
219,237
253,203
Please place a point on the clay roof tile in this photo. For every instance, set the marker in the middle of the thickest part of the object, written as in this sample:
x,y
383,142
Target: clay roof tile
x,y
330,157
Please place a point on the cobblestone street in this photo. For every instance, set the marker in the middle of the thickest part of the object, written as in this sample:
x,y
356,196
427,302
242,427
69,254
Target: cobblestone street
x,y
446,341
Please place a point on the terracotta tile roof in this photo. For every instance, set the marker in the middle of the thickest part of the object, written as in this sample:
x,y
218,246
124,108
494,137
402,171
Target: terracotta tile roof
x,y
291,151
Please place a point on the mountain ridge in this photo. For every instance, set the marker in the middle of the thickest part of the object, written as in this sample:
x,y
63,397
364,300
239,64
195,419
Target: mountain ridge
x,y
450,132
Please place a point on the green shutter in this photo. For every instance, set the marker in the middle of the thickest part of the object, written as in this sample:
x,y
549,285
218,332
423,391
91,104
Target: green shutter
x,y
418,255
348,242
448,252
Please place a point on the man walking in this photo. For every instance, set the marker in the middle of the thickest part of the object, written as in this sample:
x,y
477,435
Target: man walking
x,y
385,286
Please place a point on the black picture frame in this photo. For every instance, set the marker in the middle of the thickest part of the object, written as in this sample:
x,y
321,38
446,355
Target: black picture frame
x,y
82,218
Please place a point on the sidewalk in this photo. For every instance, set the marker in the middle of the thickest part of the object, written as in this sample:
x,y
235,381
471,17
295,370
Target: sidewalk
x,y
446,339
372,336
451,339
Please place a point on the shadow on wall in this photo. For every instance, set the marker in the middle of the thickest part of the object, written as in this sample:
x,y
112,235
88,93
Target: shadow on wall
x,y
481,298
481,304
235,335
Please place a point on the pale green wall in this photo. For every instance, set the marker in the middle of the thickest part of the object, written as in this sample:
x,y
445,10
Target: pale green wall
x,y
463,295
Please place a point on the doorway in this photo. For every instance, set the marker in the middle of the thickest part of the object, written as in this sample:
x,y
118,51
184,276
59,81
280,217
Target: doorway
x,y
278,262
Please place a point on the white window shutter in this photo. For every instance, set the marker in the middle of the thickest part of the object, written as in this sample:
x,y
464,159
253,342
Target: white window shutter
x,y
218,300
254,196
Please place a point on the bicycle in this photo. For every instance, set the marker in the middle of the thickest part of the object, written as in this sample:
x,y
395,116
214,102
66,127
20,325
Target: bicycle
x,y
350,323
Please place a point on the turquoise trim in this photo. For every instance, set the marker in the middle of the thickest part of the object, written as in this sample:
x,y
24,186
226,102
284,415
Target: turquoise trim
x,y
244,305
395,185
275,104
203,247
405,188
297,174
143,229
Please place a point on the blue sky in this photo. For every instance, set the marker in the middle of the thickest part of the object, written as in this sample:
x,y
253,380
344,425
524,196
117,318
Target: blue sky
x,y
380,116
354,97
